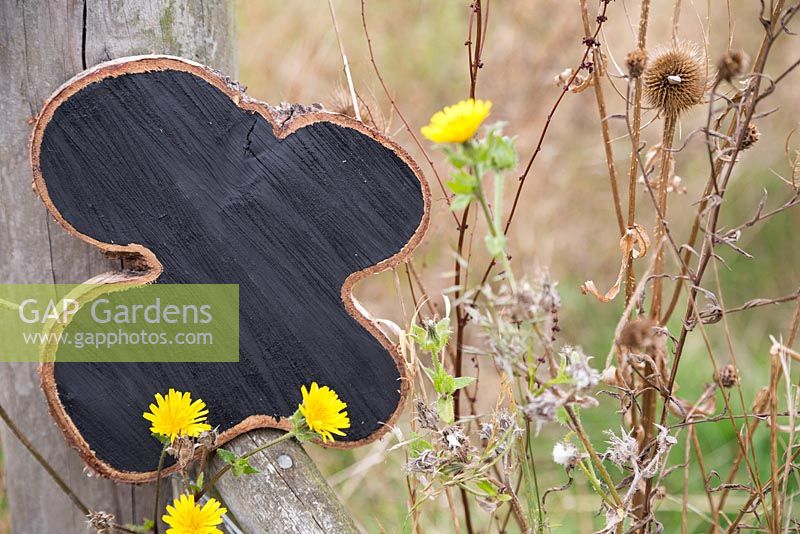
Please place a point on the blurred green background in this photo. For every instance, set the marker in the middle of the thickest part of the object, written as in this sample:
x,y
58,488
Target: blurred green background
x,y
288,52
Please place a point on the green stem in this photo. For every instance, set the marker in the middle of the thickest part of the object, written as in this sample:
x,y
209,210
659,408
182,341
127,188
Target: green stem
x,y
227,467
595,458
598,488
490,221
157,506
531,478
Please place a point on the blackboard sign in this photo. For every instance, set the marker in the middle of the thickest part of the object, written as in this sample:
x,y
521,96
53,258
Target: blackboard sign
x,y
170,165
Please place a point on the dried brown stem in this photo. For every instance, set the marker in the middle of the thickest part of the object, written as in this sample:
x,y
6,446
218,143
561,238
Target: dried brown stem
x,y
636,128
597,59
397,109
663,183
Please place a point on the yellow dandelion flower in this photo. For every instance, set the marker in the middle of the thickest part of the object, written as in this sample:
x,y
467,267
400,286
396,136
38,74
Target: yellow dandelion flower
x,y
457,123
322,411
186,517
176,415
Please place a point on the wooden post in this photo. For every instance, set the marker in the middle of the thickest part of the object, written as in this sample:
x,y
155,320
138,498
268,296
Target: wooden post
x,y
44,43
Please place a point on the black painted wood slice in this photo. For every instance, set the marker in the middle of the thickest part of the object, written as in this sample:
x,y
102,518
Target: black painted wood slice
x,y
165,161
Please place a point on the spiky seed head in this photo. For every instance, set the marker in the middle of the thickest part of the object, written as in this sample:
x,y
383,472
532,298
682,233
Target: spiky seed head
x,y
750,137
341,102
727,376
675,79
636,61
732,64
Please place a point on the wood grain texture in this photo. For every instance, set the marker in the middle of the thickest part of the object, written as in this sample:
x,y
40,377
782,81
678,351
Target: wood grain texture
x,y
165,161
299,500
42,44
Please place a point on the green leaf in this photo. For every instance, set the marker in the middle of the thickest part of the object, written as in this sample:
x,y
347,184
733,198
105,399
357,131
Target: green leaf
x,y
418,445
226,456
145,527
487,487
503,153
444,406
460,202
242,467
463,183
443,383
456,156
463,381
198,484
561,415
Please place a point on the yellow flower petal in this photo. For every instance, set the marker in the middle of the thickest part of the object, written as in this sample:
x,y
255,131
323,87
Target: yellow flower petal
x,y
323,411
176,415
184,516
457,123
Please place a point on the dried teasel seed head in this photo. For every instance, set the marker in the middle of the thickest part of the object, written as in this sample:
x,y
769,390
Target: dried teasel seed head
x,y
732,64
638,334
728,376
636,61
750,137
675,79
342,103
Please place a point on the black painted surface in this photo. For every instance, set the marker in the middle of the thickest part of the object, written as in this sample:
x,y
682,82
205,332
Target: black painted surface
x,y
166,160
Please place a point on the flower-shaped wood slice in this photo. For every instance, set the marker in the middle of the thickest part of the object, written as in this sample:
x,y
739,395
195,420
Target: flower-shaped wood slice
x,y
170,164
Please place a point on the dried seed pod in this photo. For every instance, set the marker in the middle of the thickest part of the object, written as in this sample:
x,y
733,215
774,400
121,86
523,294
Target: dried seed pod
x,y
101,522
609,376
732,64
751,137
638,334
761,401
182,449
208,439
427,417
675,79
727,376
636,61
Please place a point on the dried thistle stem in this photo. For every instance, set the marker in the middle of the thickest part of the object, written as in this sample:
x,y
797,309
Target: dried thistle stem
x,y
774,378
601,109
663,182
636,127
349,77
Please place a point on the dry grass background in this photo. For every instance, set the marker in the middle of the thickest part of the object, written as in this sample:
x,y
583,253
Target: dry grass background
x,y
288,52
566,223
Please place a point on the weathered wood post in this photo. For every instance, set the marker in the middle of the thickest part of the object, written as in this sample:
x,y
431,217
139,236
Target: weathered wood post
x,y
44,43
